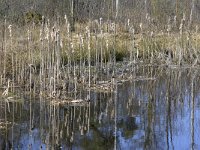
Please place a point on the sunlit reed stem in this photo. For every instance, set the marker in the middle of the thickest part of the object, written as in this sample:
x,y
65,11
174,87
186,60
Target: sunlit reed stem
x,y
114,48
101,47
41,59
89,57
69,38
132,56
81,53
191,13
181,38
141,36
5,50
12,56
57,55
109,57
28,46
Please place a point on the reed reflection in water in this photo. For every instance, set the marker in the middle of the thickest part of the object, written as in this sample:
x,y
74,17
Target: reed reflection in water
x,y
161,113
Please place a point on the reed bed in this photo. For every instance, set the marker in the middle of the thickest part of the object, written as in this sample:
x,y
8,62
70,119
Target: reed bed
x,y
52,60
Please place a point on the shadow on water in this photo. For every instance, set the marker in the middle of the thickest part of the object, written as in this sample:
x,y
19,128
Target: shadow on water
x,y
139,114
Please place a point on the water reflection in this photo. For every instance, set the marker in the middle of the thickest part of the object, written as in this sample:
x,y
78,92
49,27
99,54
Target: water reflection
x,y
140,114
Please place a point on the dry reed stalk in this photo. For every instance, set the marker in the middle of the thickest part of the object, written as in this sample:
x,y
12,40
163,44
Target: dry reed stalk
x,y
89,61
12,57
5,50
81,47
58,56
101,48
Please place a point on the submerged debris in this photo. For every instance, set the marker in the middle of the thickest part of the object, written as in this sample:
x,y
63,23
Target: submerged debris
x,y
4,124
69,102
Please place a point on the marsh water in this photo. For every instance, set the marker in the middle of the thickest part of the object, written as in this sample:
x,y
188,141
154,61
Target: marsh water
x,y
159,110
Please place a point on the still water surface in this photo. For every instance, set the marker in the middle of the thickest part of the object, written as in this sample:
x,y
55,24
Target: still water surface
x,y
159,113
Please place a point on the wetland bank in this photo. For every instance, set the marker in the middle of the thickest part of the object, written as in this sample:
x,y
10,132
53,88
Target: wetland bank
x,y
73,78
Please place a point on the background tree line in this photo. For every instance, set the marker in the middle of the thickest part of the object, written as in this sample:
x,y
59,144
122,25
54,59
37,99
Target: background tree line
x,y
138,11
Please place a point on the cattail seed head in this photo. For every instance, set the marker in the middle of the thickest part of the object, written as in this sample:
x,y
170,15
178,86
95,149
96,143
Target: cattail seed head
x,y
28,34
46,33
128,22
41,35
10,30
141,26
100,21
196,28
